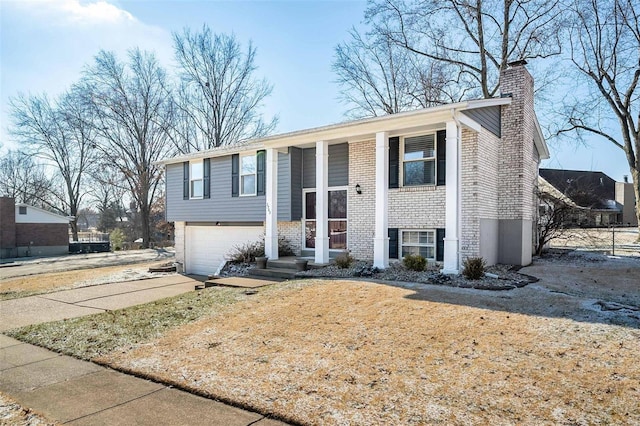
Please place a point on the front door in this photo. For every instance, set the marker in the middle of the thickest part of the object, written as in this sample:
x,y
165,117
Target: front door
x,y
337,219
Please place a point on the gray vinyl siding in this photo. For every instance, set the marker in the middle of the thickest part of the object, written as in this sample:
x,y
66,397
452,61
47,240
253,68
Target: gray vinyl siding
x,y
220,207
338,166
488,117
295,155
284,187
309,168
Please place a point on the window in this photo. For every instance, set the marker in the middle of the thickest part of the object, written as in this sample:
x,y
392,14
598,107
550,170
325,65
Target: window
x,y
22,209
196,177
419,242
248,174
419,160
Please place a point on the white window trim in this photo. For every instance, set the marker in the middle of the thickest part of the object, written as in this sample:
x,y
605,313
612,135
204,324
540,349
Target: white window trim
x,y
434,245
304,215
191,179
402,160
255,174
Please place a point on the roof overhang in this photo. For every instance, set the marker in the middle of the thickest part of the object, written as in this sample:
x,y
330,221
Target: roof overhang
x,y
538,140
365,129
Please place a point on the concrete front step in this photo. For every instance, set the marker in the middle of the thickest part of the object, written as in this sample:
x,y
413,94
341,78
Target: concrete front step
x,y
284,273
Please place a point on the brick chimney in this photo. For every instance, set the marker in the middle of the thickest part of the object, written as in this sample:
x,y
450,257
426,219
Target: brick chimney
x,y
518,166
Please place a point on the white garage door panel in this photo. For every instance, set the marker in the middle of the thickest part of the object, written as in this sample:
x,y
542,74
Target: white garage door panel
x,y
207,246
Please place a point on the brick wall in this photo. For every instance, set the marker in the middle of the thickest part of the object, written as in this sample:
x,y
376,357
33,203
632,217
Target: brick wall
x,y
42,234
7,223
179,230
518,169
361,207
417,207
292,231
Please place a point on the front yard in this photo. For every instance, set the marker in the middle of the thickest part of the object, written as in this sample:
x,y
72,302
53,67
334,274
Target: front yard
x,y
353,352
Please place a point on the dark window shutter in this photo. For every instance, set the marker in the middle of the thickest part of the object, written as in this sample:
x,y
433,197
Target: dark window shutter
x,y
441,155
206,178
235,175
393,243
394,162
185,180
440,244
260,169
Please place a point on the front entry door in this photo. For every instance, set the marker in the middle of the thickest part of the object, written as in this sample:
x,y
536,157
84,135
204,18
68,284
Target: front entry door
x,y
337,219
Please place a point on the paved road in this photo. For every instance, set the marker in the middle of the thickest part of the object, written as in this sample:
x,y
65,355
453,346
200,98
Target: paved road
x,y
77,392
27,266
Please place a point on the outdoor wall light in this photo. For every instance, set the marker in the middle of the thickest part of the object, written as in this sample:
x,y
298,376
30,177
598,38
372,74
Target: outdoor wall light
x,y
358,189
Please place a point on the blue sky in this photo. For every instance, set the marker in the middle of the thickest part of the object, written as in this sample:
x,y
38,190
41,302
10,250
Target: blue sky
x,y
45,44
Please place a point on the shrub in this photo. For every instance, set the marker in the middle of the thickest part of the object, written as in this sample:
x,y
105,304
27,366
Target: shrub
x,y
116,238
414,262
473,268
344,260
284,247
246,253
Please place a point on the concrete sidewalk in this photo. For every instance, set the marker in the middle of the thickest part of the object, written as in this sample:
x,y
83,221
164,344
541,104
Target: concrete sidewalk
x,y
77,392
89,300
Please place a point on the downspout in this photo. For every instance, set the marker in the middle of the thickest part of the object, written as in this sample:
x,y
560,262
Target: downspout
x,y
459,189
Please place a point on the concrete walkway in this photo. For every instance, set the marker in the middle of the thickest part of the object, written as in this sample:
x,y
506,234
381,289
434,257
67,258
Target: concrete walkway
x,y
89,300
77,392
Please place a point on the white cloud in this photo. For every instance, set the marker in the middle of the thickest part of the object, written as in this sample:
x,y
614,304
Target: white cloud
x,y
75,12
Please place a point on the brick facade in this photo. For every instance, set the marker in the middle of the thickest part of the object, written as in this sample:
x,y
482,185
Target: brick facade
x,y
7,223
361,207
292,231
42,234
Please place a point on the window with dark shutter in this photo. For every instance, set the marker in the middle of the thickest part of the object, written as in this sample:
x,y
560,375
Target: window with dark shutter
x,y
441,153
440,244
261,173
185,180
393,243
235,175
206,179
394,162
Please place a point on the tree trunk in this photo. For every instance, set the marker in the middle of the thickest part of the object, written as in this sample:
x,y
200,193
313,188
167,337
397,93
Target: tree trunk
x,y
74,229
145,224
635,175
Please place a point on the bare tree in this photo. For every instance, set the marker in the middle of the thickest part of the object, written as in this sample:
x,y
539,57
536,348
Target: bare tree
x,y
605,50
474,38
378,77
60,134
555,212
133,107
25,180
219,95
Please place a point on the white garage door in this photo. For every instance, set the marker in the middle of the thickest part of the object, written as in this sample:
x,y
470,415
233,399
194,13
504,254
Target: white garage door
x,y
207,246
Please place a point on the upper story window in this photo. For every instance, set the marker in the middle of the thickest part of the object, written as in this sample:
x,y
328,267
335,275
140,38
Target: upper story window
x,y
196,177
22,209
419,160
248,170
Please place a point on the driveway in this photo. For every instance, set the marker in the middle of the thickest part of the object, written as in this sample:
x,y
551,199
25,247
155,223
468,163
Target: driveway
x,y
29,266
89,300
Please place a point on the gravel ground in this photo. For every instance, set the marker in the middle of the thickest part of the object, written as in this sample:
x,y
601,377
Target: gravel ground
x,y
497,277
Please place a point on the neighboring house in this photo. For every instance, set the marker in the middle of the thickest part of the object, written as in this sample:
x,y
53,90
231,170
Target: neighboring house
x,y
30,231
595,198
447,182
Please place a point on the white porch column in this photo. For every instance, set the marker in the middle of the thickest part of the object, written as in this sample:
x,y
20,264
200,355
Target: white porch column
x,y
322,202
451,243
381,237
271,189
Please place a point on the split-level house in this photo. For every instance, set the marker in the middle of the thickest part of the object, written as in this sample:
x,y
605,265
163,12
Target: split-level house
x,y
447,182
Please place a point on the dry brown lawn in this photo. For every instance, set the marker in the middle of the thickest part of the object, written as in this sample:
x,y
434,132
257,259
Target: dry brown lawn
x,y
346,352
42,283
